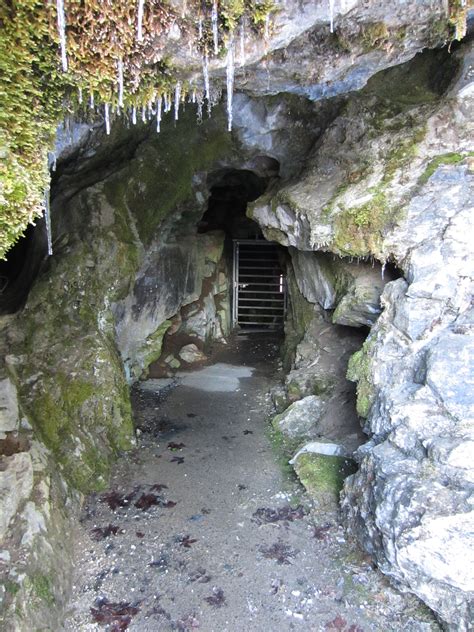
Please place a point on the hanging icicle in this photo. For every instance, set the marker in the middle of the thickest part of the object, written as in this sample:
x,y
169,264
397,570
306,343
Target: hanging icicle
x,y
331,15
383,270
62,32
107,118
215,26
177,99
144,119
159,105
120,82
79,95
91,101
47,221
230,69
134,115
205,74
141,5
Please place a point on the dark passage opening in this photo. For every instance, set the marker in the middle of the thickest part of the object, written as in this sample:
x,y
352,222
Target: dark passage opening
x,y
258,266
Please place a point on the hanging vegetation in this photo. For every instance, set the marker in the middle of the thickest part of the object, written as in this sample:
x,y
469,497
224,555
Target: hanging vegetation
x,y
96,58
60,56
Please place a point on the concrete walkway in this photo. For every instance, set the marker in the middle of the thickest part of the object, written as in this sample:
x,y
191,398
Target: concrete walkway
x,y
202,527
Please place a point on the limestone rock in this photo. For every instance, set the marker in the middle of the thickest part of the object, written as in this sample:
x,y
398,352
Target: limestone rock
x,y
16,484
9,419
323,475
301,419
191,354
353,290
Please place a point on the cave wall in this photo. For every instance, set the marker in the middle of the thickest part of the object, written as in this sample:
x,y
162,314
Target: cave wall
x,y
384,174
392,179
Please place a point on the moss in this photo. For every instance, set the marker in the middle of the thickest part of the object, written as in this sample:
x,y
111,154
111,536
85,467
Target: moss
x,y
151,349
374,35
11,587
283,452
322,475
42,587
443,159
358,370
457,20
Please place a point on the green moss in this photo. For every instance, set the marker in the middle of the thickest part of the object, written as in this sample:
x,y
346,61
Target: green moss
x,y
42,587
443,159
153,345
359,370
11,587
374,35
283,451
358,230
322,475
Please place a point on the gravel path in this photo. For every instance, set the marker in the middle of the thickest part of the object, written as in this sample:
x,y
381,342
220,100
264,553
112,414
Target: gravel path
x,y
202,528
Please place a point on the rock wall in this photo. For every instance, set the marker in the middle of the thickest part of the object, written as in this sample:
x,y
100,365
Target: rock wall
x,y
392,178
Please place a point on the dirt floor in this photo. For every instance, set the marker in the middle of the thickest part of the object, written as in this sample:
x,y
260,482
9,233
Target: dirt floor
x,y
204,528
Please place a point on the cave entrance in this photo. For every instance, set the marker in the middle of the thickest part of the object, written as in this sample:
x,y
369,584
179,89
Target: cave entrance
x,y
256,267
259,286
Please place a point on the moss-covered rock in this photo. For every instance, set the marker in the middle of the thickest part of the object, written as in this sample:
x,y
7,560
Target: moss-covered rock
x,y
359,370
323,476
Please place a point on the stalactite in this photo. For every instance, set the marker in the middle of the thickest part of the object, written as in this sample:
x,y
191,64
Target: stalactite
x,y
177,99
107,118
62,32
159,105
120,82
47,221
230,70
215,26
331,15
205,74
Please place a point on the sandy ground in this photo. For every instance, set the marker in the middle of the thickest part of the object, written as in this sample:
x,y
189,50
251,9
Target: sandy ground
x,y
203,529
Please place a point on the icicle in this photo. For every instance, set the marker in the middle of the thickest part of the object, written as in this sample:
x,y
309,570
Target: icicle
x,y
107,118
141,4
383,269
205,74
167,103
144,114
331,15
230,81
242,44
47,221
193,96
215,28
62,32
120,82
79,95
199,112
134,115
91,101
177,98
52,160
159,105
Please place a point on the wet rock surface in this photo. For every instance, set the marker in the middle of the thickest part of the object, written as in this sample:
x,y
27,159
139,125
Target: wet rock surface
x,y
202,529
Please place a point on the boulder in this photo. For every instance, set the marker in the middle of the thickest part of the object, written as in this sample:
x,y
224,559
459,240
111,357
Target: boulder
x,y
300,420
9,419
16,484
191,354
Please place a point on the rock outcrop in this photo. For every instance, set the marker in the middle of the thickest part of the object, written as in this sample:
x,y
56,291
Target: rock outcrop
x,y
404,196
